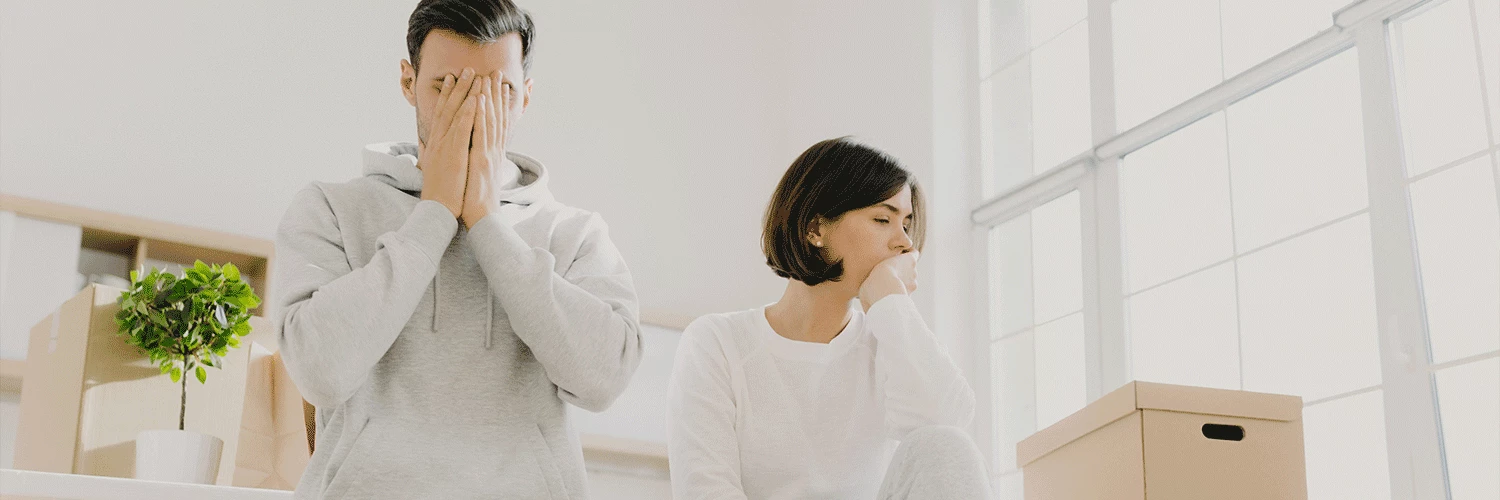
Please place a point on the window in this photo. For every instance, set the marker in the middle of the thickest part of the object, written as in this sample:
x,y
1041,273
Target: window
x,y
1447,75
1035,93
1036,261
1239,227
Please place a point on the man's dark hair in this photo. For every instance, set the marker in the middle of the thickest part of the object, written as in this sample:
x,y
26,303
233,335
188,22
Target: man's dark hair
x,y
828,180
481,21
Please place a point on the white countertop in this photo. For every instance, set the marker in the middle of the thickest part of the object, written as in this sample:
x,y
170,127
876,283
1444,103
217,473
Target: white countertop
x,y
31,484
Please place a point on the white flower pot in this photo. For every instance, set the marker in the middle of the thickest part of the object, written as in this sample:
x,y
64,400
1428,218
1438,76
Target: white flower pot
x,y
177,456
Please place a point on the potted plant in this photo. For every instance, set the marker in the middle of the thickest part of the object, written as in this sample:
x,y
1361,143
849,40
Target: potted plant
x,y
184,324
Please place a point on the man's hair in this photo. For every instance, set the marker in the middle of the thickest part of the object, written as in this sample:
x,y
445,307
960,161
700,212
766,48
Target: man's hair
x,y
830,179
480,21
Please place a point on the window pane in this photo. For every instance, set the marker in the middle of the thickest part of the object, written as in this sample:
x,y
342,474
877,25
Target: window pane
x,y
1307,314
1469,396
1346,455
1009,120
1255,30
1487,15
1175,204
1162,60
1061,378
1438,86
1457,227
1050,17
1010,276
1057,257
1060,105
1011,363
1297,153
1007,32
1185,332
1009,487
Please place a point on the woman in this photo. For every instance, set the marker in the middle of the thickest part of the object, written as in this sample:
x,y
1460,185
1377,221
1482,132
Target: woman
x,y
820,395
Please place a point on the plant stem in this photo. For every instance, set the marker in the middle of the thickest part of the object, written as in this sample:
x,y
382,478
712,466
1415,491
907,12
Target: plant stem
x,y
182,411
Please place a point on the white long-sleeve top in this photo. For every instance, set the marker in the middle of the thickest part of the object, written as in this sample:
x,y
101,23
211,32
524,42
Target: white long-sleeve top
x,y
752,414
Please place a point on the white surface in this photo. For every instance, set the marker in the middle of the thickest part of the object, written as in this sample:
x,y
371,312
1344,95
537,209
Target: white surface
x,y
640,412
177,456
1057,258
38,271
10,412
34,484
608,485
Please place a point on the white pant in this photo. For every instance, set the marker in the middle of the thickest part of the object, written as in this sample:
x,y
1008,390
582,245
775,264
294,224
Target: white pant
x,y
936,462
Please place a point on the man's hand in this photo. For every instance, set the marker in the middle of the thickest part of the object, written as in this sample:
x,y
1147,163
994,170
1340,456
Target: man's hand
x,y
487,149
896,275
444,157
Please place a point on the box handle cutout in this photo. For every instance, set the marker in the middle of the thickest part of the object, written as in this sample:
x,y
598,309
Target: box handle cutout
x,y
1224,432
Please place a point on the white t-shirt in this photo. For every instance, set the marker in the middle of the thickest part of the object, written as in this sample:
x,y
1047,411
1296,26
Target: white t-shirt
x,y
752,414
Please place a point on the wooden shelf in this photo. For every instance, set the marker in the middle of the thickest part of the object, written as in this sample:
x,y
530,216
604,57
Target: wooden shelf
x,y
12,371
140,239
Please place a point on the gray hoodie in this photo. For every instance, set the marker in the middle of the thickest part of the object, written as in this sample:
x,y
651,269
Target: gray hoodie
x,y
439,358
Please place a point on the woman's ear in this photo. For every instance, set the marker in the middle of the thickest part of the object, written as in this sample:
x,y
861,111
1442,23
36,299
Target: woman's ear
x,y
816,232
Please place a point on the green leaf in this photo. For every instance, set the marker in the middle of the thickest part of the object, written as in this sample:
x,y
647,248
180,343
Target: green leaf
x,y
135,277
165,367
176,375
202,375
200,266
231,273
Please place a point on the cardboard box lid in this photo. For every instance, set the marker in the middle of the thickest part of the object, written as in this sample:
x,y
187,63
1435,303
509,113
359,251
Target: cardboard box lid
x,y
1136,396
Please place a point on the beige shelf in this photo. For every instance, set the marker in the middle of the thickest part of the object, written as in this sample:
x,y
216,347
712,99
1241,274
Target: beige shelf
x,y
140,239
12,371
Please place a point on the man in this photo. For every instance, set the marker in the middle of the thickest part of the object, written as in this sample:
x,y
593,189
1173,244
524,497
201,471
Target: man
x,y
439,310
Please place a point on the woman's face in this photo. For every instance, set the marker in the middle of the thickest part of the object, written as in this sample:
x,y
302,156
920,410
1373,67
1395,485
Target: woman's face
x,y
864,237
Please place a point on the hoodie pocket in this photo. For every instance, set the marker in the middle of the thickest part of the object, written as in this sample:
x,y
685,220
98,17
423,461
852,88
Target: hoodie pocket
x,y
395,458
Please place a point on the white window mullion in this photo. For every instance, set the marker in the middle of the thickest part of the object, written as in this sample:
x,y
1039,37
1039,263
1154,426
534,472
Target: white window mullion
x,y
1412,436
1103,271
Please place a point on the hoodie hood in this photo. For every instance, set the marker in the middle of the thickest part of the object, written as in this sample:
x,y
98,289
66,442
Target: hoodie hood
x,y
395,164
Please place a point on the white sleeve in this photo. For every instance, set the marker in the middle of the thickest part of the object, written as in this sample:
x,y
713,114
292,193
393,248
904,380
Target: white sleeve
x,y
922,385
702,446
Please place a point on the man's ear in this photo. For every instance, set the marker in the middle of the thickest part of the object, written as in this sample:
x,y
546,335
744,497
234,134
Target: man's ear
x,y
408,82
526,99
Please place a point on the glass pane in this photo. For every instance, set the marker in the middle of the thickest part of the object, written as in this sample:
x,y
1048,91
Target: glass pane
x,y
1487,16
1061,378
1174,197
1346,455
1014,371
1060,105
1008,160
1057,257
1457,227
1438,86
1297,153
1469,397
1010,276
1009,487
1185,332
1160,60
1050,17
1006,32
1307,314
1255,30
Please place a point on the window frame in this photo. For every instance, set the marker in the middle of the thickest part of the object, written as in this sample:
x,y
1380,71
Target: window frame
x,y
1413,431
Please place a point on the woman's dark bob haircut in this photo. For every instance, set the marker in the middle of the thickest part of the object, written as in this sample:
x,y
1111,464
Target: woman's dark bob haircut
x,y
828,180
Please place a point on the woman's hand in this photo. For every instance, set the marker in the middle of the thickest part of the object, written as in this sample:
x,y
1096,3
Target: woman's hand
x,y
896,275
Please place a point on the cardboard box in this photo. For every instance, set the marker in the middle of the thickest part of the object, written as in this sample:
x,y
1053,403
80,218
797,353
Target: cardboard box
x,y
1148,441
86,394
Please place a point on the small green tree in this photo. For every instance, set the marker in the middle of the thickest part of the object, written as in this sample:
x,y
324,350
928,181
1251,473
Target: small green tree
x,y
186,323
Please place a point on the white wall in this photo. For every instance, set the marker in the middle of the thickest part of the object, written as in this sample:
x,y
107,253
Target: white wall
x,y
673,118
